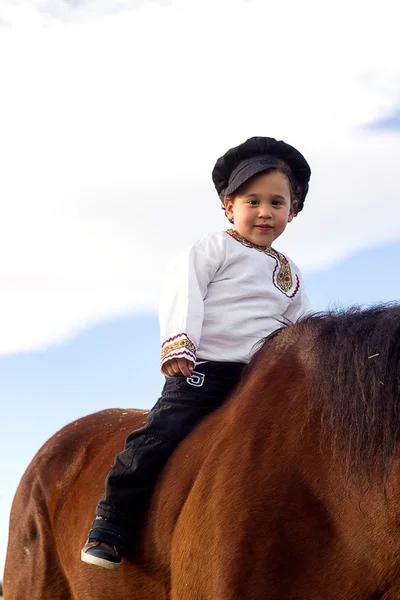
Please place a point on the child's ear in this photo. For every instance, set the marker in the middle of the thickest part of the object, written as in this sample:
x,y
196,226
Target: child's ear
x,y
293,211
228,203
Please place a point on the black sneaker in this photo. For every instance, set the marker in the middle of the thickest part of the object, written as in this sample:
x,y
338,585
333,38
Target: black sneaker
x,y
101,555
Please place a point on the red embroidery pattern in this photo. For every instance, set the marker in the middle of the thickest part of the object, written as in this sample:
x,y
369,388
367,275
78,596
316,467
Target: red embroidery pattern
x,y
175,354
178,345
171,339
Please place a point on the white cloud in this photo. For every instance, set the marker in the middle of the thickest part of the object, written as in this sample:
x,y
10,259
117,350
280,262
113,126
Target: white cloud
x,y
113,114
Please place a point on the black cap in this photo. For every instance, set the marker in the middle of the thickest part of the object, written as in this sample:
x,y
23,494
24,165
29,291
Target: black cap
x,y
255,155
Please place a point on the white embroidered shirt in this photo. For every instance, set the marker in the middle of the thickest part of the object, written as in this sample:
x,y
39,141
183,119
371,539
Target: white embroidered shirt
x,y
224,295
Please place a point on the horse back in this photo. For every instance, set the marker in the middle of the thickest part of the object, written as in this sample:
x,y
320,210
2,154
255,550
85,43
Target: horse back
x,y
53,509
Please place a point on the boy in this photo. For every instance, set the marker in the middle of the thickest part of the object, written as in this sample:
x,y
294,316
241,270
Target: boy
x,y
228,291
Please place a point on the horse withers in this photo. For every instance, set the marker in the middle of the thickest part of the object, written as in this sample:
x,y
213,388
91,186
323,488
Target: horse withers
x,y
289,491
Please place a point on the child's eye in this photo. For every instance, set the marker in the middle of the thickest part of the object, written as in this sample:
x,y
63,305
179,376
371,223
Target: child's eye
x,y
253,202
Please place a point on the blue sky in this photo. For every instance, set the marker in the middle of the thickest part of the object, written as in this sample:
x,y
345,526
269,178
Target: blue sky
x,y
112,115
389,123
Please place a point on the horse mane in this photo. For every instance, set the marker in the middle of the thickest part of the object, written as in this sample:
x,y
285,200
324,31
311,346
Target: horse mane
x,y
354,363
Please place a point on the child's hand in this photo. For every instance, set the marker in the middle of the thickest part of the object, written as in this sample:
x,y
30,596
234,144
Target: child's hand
x,y
178,366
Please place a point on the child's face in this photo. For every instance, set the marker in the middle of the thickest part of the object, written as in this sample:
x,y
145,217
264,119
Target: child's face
x,y
262,209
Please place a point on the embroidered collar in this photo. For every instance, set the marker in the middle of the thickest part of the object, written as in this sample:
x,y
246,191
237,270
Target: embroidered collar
x,y
266,249
284,277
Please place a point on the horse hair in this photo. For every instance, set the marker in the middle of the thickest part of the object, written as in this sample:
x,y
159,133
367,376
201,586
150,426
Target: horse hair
x,y
355,383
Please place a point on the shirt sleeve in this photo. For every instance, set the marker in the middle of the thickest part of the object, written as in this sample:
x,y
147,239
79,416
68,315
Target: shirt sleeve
x,y
181,309
300,305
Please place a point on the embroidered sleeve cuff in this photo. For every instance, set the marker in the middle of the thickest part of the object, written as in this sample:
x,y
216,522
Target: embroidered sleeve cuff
x,y
179,346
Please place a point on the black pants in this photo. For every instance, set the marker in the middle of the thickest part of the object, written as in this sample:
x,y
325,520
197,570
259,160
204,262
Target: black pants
x,y
182,405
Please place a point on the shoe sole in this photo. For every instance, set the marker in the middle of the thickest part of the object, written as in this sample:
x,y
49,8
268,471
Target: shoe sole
x,y
99,562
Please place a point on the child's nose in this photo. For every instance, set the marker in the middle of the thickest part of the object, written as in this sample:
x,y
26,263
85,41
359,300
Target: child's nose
x,y
265,211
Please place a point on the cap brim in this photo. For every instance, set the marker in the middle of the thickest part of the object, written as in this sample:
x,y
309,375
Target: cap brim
x,y
247,169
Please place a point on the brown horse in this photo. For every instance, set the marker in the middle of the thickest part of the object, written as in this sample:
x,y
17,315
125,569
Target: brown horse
x,y
290,491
